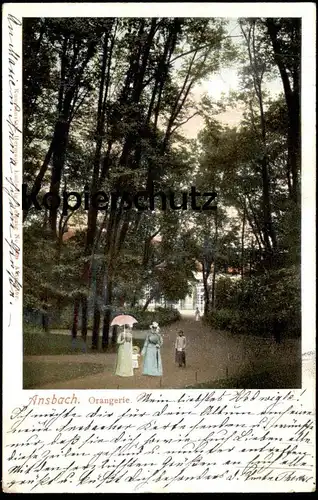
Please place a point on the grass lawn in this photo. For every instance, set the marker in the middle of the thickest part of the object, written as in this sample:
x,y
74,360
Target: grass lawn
x,y
36,374
39,344
288,377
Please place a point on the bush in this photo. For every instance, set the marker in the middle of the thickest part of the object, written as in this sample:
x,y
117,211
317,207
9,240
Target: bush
x,y
254,323
30,328
225,319
221,319
264,305
223,290
163,316
64,319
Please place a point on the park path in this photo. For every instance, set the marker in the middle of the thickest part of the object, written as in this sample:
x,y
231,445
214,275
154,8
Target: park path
x,y
211,355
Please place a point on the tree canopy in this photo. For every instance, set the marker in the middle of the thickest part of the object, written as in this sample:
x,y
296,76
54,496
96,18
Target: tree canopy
x,y
105,103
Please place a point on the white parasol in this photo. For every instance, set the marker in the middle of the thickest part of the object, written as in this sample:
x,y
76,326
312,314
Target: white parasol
x,y
123,320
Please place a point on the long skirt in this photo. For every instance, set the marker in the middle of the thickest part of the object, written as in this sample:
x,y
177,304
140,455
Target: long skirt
x,y
124,364
152,364
180,357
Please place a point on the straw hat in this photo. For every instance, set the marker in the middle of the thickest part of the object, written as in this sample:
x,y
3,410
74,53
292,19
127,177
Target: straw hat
x,y
154,325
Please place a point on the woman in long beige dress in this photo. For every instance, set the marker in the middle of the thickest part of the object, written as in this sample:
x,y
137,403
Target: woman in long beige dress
x,y
124,364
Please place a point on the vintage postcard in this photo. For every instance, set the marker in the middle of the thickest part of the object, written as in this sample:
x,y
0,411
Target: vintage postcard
x,y
159,247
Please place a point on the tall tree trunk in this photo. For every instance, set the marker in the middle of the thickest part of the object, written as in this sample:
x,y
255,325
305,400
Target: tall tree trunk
x,y
96,326
31,52
255,224
257,75
213,287
93,212
45,320
150,298
242,241
294,146
84,317
205,275
216,222
114,334
292,96
99,293
45,316
106,327
75,317
269,232
39,178
61,141
108,312
251,258
268,227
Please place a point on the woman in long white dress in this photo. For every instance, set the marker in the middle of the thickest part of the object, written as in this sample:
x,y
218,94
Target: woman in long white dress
x,y
124,364
197,314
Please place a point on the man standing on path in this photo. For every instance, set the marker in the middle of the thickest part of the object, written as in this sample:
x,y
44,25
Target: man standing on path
x,y
180,346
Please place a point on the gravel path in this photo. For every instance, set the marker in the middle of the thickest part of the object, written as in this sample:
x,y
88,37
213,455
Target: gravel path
x,y
211,355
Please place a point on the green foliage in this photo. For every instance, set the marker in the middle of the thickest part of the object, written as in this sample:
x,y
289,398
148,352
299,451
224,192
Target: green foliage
x,y
63,321
174,284
262,305
163,316
223,289
111,96
50,270
222,319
